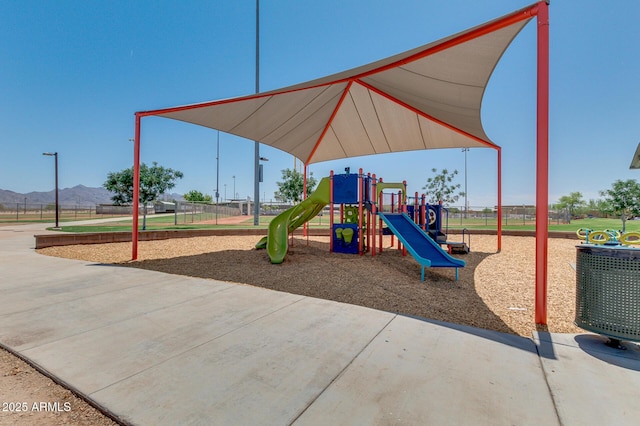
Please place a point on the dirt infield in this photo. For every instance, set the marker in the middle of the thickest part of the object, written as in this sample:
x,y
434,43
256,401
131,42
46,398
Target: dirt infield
x,y
494,291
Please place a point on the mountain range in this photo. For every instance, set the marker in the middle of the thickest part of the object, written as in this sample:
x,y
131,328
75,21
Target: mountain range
x,y
79,195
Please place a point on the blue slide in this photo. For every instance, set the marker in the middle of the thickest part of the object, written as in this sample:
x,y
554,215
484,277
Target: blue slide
x,y
423,249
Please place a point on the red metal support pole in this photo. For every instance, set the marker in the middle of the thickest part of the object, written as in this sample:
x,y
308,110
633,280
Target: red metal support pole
x,y
369,220
400,210
304,197
136,190
499,199
393,201
331,211
374,209
380,208
360,213
402,204
542,164
423,212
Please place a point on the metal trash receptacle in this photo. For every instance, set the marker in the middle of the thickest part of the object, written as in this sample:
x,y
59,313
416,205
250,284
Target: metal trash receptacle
x,y
608,290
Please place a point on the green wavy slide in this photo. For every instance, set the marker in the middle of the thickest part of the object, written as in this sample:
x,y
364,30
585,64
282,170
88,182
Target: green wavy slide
x,y
276,242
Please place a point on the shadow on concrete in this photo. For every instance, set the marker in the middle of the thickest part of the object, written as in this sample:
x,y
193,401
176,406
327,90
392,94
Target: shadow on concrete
x,y
388,282
627,355
518,342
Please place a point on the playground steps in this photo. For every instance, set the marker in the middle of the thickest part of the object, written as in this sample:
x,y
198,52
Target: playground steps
x,y
438,237
457,247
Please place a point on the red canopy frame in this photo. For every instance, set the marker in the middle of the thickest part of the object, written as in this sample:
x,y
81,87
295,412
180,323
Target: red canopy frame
x,y
542,163
541,11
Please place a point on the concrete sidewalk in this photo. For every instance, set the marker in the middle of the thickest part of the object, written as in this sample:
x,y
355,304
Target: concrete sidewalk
x,y
154,348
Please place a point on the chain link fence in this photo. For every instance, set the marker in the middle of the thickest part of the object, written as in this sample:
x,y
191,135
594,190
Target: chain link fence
x,y
40,212
184,213
511,216
188,212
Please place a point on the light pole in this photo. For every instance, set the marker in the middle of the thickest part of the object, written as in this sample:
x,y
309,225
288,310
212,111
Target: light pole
x,y
55,154
466,203
256,149
233,196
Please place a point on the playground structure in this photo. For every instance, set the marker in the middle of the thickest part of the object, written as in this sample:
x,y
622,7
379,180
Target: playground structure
x,y
610,237
456,126
364,218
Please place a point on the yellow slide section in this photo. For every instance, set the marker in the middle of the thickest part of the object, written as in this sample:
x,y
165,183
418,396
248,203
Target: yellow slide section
x,y
276,242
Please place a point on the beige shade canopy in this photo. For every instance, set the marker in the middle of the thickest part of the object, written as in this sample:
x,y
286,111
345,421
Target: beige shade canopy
x,y
425,98
635,161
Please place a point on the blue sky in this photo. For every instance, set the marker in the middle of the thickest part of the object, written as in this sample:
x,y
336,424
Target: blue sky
x,y
73,73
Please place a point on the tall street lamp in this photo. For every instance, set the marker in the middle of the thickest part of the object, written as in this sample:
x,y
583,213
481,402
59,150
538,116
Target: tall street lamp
x,y
256,149
55,154
233,196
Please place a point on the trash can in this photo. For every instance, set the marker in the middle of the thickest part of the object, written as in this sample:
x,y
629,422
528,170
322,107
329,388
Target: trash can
x,y
608,290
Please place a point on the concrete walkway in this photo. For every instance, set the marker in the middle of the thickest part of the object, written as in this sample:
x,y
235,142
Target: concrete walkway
x,y
159,349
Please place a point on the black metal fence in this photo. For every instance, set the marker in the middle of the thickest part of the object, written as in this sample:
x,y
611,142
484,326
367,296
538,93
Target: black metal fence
x,y
32,212
511,216
187,212
40,212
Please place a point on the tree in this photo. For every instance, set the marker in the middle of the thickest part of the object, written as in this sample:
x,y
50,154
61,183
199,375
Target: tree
x,y
441,187
623,199
571,202
291,187
154,181
599,206
197,197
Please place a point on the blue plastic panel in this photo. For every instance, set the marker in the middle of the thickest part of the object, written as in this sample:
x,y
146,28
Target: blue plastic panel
x,y
345,188
339,244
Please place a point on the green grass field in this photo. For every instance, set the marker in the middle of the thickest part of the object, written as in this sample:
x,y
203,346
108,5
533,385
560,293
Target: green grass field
x,y
168,223
595,224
